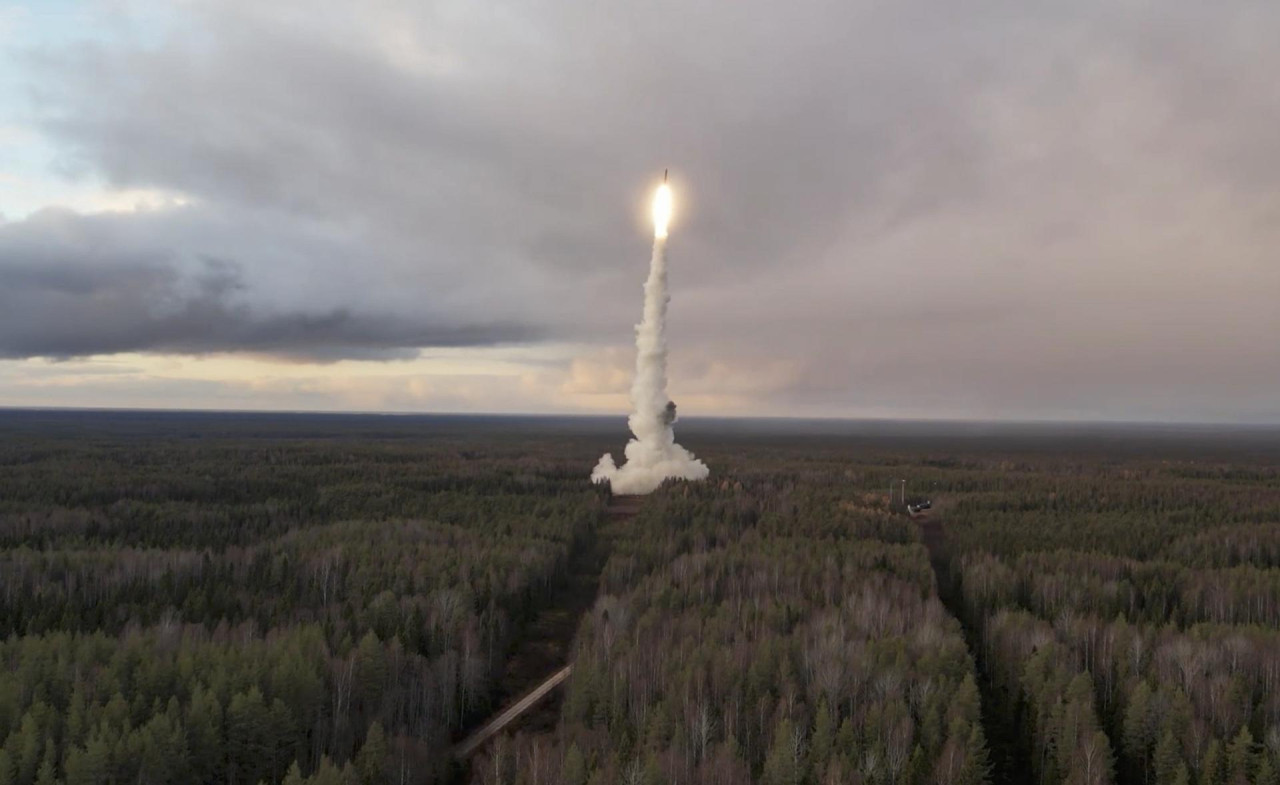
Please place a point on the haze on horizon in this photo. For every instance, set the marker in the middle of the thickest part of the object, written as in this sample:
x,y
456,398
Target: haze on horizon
x,y
923,209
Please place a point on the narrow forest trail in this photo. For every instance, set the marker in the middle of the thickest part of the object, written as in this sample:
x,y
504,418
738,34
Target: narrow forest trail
x,y
540,661
1009,765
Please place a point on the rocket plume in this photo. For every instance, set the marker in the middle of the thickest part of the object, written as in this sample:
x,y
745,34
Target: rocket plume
x,y
653,455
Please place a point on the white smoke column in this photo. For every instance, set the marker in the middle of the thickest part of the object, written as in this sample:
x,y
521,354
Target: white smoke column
x,y
653,455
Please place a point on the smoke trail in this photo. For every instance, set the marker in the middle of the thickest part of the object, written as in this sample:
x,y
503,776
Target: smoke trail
x,y
653,455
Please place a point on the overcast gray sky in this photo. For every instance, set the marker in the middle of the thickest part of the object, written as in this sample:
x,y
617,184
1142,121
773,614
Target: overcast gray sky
x,y
908,209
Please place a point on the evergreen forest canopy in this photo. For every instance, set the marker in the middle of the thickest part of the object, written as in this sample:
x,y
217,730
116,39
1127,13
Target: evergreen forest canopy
x,y
338,599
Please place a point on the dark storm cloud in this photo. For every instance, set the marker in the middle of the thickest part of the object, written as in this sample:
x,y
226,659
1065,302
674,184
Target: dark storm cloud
x,y
982,204
71,285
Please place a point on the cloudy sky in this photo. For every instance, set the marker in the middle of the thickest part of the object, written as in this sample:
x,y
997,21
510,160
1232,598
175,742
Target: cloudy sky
x,y
992,209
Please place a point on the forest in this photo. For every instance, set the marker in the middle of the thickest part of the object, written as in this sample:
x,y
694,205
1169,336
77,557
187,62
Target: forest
x,y
340,599
226,605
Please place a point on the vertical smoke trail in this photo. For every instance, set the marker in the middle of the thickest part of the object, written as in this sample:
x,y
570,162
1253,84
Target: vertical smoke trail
x,y
653,455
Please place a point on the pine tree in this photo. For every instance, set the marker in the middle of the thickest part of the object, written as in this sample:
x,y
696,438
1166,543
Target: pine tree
x,y
1212,768
846,740
1266,774
1167,758
27,748
823,739
653,771
329,774
204,736
370,673
77,723
977,765
600,777
1240,758
162,756
8,773
280,738
371,761
783,765
1137,741
574,769
917,768
294,775
47,774
247,736
966,704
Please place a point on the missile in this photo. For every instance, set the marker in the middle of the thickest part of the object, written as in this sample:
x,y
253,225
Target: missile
x,y
664,175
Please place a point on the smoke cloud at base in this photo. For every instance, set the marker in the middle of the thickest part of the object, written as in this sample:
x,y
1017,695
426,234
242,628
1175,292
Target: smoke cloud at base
x,y
653,455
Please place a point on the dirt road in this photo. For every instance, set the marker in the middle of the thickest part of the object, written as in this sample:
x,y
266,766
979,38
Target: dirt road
x,y
509,714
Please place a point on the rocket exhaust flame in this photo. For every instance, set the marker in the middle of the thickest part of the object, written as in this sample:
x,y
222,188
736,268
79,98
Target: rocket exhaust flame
x,y
661,211
653,455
